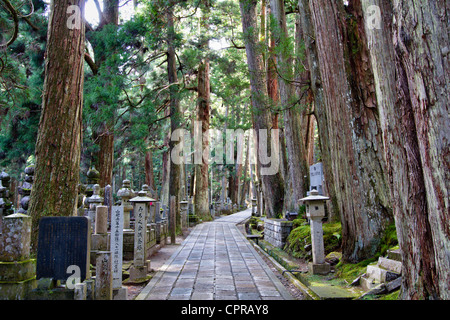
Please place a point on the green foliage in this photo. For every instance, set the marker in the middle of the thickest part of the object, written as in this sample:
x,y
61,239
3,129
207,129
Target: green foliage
x,y
300,237
21,83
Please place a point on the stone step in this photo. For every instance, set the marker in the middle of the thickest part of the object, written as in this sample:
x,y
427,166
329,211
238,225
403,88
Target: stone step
x,y
380,274
390,265
395,254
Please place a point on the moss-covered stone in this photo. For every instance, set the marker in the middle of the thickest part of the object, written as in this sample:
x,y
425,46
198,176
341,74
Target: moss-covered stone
x,y
17,270
299,240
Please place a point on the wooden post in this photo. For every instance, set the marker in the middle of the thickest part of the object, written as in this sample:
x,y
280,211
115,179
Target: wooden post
x,y
172,222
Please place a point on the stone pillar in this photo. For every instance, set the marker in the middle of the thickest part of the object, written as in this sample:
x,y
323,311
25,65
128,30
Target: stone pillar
x,y
184,213
318,253
17,270
103,276
254,204
125,194
100,237
172,221
101,220
117,245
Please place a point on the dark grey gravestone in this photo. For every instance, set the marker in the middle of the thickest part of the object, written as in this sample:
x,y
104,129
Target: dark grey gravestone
x,y
63,242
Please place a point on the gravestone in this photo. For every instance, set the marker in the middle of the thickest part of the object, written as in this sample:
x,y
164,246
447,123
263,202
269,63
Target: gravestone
x,y
117,245
103,276
316,177
63,242
141,205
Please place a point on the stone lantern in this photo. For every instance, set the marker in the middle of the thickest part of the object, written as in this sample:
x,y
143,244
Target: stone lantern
x,y
315,211
141,205
125,194
94,201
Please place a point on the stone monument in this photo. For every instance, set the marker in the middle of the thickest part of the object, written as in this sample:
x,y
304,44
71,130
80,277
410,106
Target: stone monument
x,y
140,265
315,211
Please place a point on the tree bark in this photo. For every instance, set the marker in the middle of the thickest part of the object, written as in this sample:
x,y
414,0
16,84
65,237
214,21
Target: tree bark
x,y
296,166
411,76
201,199
319,104
58,145
175,115
272,186
104,159
149,175
354,129
201,202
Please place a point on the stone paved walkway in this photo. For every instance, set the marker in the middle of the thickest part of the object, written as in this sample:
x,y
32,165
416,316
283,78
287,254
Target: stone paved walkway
x,y
215,261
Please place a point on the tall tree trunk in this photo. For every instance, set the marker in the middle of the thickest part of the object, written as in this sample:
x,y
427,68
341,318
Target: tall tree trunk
x,y
149,175
272,185
104,159
201,202
175,114
317,90
413,101
354,130
58,145
297,168
201,199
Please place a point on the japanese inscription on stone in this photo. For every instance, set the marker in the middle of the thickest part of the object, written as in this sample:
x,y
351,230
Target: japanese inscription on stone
x,y
63,242
117,245
139,234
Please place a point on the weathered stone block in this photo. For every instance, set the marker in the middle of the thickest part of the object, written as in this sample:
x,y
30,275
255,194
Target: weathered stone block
x,y
323,268
15,238
17,270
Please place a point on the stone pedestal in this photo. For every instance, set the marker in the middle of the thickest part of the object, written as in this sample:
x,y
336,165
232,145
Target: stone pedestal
x,y
17,270
120,293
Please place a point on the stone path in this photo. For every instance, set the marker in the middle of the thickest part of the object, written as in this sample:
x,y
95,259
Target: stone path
x,y
215,261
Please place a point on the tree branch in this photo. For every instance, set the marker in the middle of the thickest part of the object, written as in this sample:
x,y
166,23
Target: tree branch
x,y
91,63
13,12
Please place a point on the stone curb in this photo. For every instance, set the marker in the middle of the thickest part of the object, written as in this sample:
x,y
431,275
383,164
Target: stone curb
x,y
309,295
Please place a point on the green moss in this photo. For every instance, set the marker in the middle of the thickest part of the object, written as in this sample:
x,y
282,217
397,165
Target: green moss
x,y
298,222
389,239
350,271
301,237
390,296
